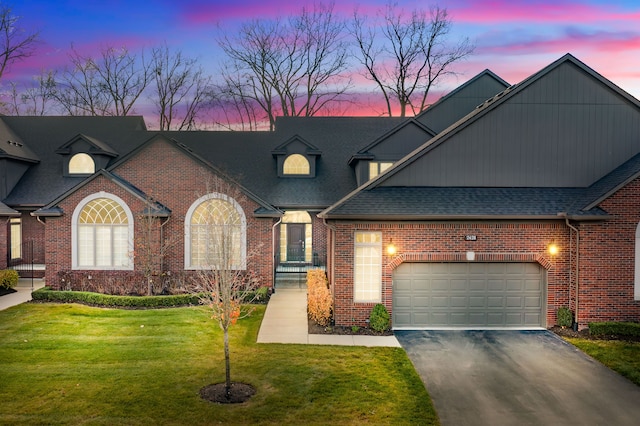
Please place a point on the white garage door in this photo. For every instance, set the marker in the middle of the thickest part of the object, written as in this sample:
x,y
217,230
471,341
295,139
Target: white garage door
x,y
469,295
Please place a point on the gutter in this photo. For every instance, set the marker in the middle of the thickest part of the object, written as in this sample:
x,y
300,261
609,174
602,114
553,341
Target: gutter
x,y
566,221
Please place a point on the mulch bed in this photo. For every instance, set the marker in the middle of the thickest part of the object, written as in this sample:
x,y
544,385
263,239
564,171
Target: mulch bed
x,y
240,392
315,328
4,291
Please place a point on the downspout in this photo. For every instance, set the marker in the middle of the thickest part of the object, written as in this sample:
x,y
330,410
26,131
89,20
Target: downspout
x,y
330,257
161,243
566,220
273,250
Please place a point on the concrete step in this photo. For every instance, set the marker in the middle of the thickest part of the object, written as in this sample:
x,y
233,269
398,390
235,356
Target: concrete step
x,y
291,281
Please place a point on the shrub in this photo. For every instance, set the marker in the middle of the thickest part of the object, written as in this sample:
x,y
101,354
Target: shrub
x,y
614,328
565,317
319,301
8,278
45,294
379,319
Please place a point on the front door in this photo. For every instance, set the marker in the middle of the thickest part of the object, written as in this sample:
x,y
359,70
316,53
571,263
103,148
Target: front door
x,y
295,242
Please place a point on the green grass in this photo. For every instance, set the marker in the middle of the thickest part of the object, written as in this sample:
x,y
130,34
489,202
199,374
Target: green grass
x,y
620,356
73,364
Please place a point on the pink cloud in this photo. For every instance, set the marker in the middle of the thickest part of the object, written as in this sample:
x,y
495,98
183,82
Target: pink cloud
x,y
546,11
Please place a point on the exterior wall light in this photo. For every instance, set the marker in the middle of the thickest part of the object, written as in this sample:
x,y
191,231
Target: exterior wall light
x,y
391,248
553,249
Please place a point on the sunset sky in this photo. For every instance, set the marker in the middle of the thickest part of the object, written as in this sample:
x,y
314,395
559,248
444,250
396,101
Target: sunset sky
x,y
513,38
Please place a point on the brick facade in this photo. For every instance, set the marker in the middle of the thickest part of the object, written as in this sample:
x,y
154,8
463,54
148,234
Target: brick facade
x,y
445,242
176,180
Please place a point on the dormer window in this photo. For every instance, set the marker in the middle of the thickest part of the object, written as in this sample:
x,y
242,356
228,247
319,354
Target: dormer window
x,y
296,164
378,167
81,164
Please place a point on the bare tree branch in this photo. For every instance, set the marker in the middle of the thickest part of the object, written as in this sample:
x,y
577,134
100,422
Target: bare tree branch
x,y
411,55
15,43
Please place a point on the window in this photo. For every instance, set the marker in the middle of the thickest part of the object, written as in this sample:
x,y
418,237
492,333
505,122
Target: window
x,y
368,267
636,289
81,164
102,233
15,231
215,234
377,167
296,164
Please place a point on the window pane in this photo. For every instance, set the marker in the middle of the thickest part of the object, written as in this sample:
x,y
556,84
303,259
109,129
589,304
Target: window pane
x,y
120,245
81,164
296,164
216,235
85,245
16,238
103,245
368,267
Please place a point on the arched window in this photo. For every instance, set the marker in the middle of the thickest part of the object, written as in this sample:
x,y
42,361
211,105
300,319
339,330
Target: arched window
x,y
102,233
215,234
296,164
81,164
636,287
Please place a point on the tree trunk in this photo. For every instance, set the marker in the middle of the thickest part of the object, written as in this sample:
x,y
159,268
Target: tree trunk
x,y
227,364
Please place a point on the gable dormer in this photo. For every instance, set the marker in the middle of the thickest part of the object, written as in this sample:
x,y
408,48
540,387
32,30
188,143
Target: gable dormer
x,y
84,155
15,159
296,158
393,145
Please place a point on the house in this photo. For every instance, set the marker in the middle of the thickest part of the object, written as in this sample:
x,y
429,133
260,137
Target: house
x,y
493,208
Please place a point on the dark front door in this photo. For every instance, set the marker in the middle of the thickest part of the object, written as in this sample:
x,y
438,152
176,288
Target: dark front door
x,y
295,242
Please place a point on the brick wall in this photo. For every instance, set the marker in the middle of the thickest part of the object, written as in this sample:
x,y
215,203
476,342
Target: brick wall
x,y
445,242
607,260
176,180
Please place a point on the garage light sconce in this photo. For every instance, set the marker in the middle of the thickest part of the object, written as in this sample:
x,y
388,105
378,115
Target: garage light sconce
x,y
553,249
391,248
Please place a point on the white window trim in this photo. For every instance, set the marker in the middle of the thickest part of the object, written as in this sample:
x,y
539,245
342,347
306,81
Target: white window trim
x,y
187,230
355,283
74,233
636,281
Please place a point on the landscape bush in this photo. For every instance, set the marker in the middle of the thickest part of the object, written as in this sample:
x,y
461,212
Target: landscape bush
x,y
45,294
319,300
379,320
614,329
565,317
8,278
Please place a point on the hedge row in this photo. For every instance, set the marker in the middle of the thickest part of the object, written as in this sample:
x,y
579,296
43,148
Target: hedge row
x,y
8,278
45,294
319,302
614,328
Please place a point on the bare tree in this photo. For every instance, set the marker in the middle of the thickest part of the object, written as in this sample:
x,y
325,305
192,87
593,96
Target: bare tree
x,y
409,56
226,286
181,88
35,99
152,244
291,67
108,85
16,44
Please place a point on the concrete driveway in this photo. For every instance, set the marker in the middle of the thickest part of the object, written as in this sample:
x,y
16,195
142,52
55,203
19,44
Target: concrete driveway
x,y
517,378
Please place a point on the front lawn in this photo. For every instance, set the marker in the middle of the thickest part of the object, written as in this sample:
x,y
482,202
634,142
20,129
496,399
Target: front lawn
x,y
619,355
73,364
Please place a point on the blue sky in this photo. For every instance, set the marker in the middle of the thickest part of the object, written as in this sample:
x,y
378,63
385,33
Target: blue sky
x,y
513,38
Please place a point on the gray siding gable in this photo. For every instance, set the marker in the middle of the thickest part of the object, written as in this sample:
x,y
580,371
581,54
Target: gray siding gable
x,y
458,103
565,126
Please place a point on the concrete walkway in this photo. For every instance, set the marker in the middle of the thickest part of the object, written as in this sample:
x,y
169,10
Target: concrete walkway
x,y
285,321
23,293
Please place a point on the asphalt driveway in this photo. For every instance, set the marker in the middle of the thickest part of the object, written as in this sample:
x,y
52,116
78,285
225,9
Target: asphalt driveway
x,y
517,378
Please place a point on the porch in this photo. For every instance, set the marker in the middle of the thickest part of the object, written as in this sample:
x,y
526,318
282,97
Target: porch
x,y
292,274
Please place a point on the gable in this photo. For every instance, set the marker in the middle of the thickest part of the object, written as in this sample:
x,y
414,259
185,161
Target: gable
x,y
565,127
400,141
461,101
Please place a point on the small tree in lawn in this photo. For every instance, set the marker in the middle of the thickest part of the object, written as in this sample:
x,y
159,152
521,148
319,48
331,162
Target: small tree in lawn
x,y
151,243
217,249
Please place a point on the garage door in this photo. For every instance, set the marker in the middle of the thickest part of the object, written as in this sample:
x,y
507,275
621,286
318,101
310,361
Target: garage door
x,y
468,295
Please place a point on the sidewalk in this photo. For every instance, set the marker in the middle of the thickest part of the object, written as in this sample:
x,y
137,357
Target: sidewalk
x,y
23,293
285,321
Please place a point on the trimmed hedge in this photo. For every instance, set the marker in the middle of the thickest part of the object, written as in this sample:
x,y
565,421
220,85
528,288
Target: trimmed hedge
x,y
565,317
45,294
379,320
8,278
319,301
614,328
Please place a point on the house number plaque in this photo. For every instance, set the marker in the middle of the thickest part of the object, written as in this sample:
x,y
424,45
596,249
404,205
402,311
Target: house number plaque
x,y
470,238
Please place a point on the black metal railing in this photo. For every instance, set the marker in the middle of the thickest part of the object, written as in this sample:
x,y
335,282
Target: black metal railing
x,y
25,261
292,268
